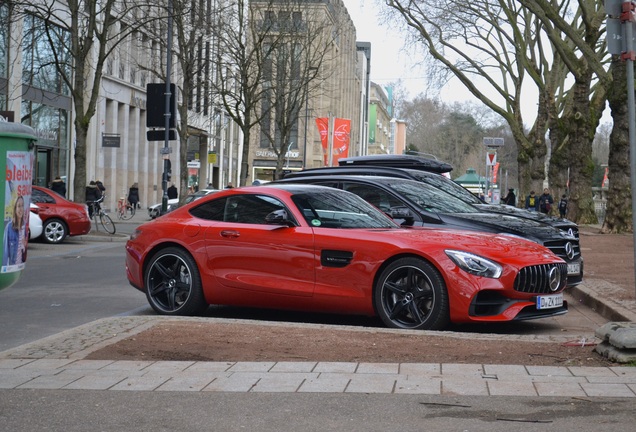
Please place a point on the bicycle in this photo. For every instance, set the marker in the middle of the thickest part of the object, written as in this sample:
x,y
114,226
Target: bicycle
x,y
100,216
125,210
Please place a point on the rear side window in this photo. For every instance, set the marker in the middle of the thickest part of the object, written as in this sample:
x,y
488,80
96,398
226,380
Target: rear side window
x,y
41,197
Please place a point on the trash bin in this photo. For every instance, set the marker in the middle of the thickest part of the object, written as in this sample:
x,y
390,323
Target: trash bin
x,y
16,164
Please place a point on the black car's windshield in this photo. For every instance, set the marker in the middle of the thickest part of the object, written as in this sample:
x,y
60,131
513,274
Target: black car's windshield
x,y
448,186
430,198
335,209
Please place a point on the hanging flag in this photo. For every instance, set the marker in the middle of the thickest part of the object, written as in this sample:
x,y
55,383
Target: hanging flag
x,y
495,170
341,137
605,179
323,129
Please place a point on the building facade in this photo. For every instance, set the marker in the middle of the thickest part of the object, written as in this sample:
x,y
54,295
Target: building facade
x,y
118,150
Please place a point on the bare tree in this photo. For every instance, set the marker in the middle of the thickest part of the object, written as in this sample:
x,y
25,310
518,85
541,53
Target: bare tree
x,y
496,50
269,56
81,35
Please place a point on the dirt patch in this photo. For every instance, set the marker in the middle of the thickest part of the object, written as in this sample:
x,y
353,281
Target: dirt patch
x,y
608,257
246,342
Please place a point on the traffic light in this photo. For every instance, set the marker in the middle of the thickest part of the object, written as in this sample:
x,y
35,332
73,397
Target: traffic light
x,y
156,106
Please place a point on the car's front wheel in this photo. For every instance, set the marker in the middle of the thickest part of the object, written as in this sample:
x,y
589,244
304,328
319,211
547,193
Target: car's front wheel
x,y
173,283
54,231
411,294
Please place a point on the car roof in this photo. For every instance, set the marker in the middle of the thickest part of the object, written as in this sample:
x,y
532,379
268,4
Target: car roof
x,y
353,170
399,161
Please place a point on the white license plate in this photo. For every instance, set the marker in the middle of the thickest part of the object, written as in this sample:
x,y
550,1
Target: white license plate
x,y
574,268
550,302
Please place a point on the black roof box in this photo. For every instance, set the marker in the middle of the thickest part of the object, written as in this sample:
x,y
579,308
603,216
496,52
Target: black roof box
x,y
399,161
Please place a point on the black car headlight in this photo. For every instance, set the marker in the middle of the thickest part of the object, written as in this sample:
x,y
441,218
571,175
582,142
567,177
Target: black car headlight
x,y
475,264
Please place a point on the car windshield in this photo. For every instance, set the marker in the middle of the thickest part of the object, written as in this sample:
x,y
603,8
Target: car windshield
x,y
430,198
335,209
448,186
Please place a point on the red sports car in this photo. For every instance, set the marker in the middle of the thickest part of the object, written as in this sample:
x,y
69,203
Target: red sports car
x,y
306,247
60,217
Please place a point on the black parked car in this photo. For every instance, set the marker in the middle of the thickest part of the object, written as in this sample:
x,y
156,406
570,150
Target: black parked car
x,y
415,203
440,182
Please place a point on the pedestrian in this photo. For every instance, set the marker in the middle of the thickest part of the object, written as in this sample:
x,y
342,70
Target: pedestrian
x,y
229,185
563,206
133,195
532,202
511,198
93,193
59,186
173,193
545,201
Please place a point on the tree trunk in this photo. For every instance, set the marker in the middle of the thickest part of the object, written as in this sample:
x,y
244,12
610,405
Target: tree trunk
x,y
580,129
618,216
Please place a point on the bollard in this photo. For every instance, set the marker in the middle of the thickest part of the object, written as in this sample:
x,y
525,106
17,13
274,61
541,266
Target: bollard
x,y
16,162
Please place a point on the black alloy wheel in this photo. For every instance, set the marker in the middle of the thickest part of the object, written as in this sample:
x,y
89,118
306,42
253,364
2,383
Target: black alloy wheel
x,y
411,294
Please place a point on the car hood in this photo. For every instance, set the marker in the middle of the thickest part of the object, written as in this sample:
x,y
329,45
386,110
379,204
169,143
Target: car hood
x,y
526,214
502,248
508,224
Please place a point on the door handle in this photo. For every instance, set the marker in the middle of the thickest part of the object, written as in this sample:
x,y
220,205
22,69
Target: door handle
x,y
230,234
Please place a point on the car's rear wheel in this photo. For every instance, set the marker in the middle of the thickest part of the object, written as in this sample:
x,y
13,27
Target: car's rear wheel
x,y
173,283
411,294
54,231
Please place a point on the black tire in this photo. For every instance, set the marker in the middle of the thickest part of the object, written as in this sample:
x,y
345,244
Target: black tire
x,y
107,223
54,231
411,294
173,284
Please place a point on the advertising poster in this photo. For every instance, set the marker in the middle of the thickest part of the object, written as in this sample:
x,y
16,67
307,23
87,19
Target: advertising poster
x,y
323,129
17,195
341,136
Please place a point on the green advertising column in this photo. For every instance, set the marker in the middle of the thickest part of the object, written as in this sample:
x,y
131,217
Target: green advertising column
x,y
16,162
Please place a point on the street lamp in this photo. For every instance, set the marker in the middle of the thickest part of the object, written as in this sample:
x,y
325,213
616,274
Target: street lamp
x,y
310,69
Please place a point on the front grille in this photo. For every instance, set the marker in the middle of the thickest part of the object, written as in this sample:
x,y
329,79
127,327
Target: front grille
x,y
559,248
536,279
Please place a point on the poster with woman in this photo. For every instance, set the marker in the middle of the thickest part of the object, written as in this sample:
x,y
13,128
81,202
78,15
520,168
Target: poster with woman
x,y
17,203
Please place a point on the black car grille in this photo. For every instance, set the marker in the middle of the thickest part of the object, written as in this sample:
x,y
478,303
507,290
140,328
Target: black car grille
x,y
536,279
560,248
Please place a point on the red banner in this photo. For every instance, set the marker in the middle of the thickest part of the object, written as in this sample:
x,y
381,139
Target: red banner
x,y
341,136
495,171
323,129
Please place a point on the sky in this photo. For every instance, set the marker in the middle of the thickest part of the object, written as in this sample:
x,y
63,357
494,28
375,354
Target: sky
x,y
389,60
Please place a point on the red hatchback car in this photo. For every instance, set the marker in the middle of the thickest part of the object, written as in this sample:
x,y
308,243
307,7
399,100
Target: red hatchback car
x,y
306,247
60,217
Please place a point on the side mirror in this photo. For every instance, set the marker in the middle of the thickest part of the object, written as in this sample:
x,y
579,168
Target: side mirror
x,y
402,213
278,217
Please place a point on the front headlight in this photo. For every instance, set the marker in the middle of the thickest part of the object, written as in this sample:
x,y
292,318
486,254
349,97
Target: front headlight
x,y
474,264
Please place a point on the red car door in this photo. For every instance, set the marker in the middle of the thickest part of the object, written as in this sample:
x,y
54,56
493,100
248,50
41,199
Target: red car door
x,y
244,253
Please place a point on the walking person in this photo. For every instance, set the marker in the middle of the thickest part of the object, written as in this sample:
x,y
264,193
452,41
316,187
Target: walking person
x,y
545,201
563,206
59,186
511,198
532,202
133,195
173,193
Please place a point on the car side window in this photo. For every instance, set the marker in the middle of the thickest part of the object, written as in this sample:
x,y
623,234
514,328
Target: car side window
x,y
41,197
250,209
211,210
373,195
